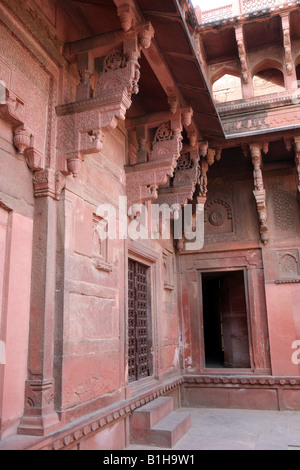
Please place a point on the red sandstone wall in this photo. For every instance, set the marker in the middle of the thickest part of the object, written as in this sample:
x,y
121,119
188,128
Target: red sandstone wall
x,y
93,303
272,270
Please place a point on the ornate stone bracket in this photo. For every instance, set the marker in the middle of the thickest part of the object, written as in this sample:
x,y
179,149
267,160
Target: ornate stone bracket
x,y
206,162
287,43
143,179
207,157
242,53
126,13
82,125
13,112
183,185
259,191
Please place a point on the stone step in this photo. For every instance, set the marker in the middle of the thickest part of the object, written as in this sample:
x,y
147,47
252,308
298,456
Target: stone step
x,y
171,429
157,424
148,415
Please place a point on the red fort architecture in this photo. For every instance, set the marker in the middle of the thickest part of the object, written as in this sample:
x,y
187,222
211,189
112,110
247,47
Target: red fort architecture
x,y
108,110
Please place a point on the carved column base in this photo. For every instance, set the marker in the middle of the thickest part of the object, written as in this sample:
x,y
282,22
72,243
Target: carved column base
x,y
39,417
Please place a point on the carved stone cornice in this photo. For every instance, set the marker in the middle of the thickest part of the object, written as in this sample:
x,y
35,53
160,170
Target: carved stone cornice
x,y
259,191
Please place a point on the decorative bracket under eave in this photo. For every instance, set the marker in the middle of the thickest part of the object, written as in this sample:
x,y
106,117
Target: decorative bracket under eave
x,y
239,33
259,191
13,112
82,125
286,28
185,179
144,179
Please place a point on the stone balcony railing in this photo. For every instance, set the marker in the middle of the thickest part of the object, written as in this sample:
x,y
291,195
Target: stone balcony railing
x,y
238,8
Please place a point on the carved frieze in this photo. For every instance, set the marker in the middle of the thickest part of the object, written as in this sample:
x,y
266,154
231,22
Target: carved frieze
x,y
242,53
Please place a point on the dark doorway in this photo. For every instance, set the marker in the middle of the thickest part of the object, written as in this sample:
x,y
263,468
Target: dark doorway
x,y
225,320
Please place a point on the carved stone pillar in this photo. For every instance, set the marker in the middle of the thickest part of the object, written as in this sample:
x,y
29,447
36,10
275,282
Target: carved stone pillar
x,y
85,69
39,416
259,191
290,74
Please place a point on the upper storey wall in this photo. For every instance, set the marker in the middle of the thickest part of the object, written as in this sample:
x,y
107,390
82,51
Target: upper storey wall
x,y
251,59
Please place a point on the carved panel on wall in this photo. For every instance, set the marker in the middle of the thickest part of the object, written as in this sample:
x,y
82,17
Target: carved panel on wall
x,y
168,271
288,266
284,208
100,245
219,220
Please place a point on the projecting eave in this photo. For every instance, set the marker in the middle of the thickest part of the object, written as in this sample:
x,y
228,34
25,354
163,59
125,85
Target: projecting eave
x,y
173,40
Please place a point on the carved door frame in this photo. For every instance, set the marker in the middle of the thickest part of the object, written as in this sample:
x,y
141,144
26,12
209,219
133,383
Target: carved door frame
x,y
251,262
203,354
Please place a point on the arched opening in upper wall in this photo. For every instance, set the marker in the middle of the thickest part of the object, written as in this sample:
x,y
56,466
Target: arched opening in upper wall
x,y
268,78
227,87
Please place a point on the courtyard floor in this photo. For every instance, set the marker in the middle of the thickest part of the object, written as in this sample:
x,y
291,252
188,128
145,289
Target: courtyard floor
x,y
223,429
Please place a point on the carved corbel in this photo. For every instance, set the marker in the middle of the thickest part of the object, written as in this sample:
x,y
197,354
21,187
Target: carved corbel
x,y
125,9
285,18
185,180
85,69
206,162
144,179
242,53
12,110
48,183
146,34
203,148
82,125
24,142
297,161
259,191
185,7
173,104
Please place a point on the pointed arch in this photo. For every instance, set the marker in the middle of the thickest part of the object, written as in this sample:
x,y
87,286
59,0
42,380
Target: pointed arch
x,y
268,78
227,85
